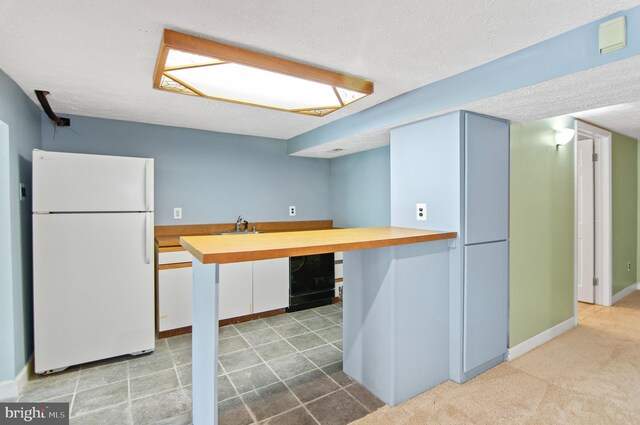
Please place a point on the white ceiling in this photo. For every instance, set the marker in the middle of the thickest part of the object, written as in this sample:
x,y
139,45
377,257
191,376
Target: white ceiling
x,y
624,118
582,91
97,58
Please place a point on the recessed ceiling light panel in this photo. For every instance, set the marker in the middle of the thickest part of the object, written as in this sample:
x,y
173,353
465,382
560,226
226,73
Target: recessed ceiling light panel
x,y
200,67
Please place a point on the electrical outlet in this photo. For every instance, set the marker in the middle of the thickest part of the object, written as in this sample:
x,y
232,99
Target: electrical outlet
x,y
177,213
421,212
292,210
628,265
23,192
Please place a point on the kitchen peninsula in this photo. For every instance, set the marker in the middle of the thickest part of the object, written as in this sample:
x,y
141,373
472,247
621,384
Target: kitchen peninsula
x,y
395,304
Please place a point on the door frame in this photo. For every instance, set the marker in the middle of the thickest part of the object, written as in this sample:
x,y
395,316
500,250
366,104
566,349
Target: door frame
x,y
603,200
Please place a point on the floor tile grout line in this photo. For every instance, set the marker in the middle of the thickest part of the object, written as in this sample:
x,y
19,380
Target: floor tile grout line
x,y
301,352
286,386
129,392
170,350
291,377
319,398
278,340
281,357
99,409
356,399
251,413
283,381
73,397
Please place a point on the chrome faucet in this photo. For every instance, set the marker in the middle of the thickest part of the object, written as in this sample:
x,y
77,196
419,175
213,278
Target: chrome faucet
x,y
239,223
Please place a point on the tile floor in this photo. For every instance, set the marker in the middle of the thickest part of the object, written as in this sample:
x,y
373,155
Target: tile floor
x,y
284,369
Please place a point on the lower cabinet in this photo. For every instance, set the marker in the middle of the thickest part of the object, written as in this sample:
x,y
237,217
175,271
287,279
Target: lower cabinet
x,y
235,290
244,288
486,303
253,287
270,284
174,298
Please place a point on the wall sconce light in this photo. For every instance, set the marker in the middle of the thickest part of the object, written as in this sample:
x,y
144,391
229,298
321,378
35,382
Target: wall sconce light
x,y
564,136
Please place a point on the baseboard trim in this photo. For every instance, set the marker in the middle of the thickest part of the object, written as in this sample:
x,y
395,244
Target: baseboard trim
x,y
543,337
626,291
11,388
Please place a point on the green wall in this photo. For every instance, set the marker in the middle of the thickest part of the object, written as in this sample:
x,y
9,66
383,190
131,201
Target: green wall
x,y
541,229
624,182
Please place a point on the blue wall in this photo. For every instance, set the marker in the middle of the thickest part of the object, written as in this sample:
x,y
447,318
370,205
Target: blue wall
x,y
22,119
213,177
420,151
360,189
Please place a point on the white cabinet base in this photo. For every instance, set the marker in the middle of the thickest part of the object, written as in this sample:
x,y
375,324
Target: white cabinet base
x,y
270,284
174,301
236,289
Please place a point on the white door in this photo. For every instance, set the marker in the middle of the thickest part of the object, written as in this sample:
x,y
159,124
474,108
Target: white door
x,y
270,284
93,287
586,220
235,297
71,182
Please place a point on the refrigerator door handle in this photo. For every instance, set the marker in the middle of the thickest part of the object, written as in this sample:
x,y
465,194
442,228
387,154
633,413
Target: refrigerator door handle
x,y
148,182
147,238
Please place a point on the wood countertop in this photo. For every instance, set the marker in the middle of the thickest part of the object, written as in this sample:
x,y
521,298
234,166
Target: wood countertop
x,y
248,247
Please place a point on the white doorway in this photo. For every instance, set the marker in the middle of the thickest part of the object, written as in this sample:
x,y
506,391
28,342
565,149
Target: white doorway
x,y
585,217
593,226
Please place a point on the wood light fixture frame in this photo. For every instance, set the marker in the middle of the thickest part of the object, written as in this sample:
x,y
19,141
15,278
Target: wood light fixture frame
x,y
224,53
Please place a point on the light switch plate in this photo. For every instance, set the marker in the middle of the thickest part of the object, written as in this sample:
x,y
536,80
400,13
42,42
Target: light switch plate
x,y
177,213
23,192
421,212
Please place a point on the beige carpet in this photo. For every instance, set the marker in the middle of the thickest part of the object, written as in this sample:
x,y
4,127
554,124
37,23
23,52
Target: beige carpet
x,y
589,375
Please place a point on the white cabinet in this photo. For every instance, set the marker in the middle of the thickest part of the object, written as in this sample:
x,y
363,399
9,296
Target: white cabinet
x,y
270,284
172,257
235,290
174,300
253,287
245,288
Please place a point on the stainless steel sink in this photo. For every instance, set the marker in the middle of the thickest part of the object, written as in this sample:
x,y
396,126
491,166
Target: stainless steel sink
x,y
239,232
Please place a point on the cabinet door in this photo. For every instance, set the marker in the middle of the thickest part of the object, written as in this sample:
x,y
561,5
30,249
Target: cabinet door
x,y
235,290
270,284
486,179
485,303
174,298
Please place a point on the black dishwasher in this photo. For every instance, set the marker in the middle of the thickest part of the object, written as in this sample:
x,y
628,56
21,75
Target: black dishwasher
x,y
311,281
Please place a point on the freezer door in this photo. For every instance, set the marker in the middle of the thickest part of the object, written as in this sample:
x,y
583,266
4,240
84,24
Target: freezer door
x,y
93,287
486,303
71,182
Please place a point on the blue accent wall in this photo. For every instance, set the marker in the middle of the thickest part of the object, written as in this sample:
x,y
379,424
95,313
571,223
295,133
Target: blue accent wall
x,y
568,53
20,121
425,168
360,189
213,177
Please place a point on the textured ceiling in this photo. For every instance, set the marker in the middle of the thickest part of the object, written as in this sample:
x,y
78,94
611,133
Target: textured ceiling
x,y
97,58
624,118
582,91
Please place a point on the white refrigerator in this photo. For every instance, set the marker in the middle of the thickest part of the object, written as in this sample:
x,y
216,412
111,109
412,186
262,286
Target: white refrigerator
x,y
93,258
